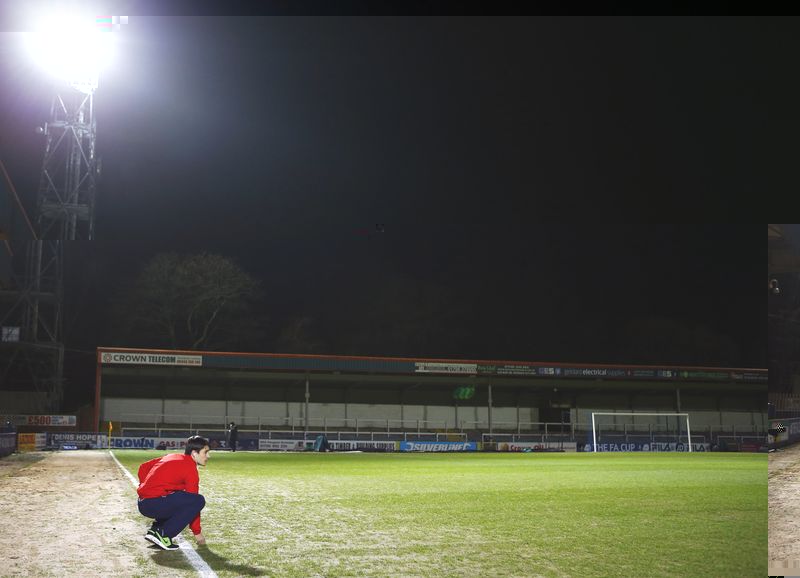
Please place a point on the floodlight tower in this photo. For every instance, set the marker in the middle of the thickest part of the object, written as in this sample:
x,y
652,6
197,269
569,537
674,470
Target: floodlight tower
x,y
72,49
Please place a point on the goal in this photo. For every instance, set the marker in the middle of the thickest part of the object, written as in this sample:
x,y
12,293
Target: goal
x,y
660,414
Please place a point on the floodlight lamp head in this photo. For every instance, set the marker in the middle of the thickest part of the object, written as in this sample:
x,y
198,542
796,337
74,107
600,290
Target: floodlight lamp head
x,y
71,48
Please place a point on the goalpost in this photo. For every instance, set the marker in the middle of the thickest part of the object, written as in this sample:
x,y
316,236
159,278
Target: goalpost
x,y
686,415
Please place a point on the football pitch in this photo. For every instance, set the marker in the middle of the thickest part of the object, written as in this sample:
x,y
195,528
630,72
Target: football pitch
x,y
480,515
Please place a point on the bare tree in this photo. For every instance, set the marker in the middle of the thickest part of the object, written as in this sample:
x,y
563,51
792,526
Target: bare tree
x,y
196,301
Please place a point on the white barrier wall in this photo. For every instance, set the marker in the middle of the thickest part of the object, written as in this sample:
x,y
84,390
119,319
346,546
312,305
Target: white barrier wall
x,y
500,415
207,411
327,410
744,419
284,414
333,414
255,409
365,411
271,413
128,409
412,414
235,410
441,414
531,414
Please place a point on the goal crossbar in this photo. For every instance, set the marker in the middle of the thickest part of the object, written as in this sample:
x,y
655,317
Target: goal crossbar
x,y
663,414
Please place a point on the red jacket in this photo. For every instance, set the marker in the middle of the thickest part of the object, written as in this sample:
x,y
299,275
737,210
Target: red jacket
x,y
167,474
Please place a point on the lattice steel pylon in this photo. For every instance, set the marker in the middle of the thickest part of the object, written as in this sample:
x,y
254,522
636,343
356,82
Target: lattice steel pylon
x,y
32,348
73,46
66,197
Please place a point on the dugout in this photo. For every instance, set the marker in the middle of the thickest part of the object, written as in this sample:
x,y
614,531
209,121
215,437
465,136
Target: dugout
x,y
148,389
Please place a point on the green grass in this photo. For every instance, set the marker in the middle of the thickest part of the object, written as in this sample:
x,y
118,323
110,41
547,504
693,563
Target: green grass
x,y
483,515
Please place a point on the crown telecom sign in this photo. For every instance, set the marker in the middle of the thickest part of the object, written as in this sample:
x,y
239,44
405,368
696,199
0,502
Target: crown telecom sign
x,y
151,359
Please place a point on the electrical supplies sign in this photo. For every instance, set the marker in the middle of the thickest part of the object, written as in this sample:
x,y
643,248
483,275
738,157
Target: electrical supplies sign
x,y
151,359
585,372
438,446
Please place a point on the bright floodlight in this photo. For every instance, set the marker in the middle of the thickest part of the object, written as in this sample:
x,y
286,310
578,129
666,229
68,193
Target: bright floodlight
x,y
71,48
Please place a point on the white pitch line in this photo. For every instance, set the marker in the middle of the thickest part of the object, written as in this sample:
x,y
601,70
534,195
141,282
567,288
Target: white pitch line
x,y
200,565
124,470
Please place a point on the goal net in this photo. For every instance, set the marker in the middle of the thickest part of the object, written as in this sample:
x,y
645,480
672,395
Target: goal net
x,y
653,432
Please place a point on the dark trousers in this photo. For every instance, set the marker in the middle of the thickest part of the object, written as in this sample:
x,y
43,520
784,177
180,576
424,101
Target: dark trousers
x,y
172,512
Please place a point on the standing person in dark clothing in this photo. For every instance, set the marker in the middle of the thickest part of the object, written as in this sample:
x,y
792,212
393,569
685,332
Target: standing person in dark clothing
x,y
169,492
233,436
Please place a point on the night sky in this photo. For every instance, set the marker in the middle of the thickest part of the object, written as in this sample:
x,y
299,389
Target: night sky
x,y
464,176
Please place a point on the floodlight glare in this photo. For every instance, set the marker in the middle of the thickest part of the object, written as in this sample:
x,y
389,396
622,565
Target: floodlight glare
x,y
71,48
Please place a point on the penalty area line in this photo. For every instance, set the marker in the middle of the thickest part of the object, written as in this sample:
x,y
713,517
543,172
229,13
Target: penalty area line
x,y
200,565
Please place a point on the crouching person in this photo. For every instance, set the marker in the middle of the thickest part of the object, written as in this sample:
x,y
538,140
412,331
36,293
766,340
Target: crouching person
x,y
169,493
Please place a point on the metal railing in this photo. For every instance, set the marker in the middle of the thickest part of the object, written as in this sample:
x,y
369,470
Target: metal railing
x,y
326,423
271,427
739,440
519,426
293,422
301,435
160,422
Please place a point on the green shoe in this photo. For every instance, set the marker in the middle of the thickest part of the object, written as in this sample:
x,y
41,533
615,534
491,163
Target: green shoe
x,y
160,540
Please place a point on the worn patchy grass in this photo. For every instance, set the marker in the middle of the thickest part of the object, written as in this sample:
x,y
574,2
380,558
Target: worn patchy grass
x,y
437,515
12,464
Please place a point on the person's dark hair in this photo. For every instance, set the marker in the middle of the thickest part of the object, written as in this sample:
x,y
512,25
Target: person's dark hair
x,y
195,444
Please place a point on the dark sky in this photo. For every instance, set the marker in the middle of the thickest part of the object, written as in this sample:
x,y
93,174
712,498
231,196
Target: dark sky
x,y
274,122
499,156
